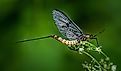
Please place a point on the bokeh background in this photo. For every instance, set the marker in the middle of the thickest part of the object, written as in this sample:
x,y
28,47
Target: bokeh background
x,y
25,19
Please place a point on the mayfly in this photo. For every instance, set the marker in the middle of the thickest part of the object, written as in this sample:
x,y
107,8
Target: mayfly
x,y
68,29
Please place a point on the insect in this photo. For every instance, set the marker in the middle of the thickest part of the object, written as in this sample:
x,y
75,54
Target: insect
x,y
68,29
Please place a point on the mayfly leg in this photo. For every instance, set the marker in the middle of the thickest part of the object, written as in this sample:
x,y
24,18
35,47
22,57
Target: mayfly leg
x,y
96,41
35,38
94,36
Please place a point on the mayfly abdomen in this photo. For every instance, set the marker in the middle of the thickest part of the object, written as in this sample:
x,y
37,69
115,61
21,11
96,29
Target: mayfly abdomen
x,y
69,43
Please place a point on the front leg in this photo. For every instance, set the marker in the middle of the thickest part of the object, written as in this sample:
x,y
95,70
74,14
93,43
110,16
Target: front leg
x,y
96,41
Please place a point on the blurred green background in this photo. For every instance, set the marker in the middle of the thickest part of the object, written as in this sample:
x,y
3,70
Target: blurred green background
x,y
25,19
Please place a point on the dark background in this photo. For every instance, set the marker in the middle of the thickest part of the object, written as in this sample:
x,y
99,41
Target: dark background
x,y
25,19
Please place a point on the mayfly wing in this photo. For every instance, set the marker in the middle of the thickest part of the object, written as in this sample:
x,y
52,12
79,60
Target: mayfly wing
x,y
66,26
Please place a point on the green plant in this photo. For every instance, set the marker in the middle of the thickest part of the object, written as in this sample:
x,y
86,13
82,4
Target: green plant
x,y
94,65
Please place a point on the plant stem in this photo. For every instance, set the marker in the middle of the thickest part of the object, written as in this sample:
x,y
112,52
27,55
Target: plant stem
x,y
103,54
93,59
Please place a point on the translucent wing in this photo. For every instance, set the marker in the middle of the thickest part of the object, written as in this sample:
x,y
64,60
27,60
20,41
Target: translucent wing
x,y
66,26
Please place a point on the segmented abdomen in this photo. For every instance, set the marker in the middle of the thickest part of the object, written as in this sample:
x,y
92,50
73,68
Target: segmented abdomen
x,y
66,42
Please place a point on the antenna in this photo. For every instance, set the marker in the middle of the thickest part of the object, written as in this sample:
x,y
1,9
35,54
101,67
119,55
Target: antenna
x,y
99,32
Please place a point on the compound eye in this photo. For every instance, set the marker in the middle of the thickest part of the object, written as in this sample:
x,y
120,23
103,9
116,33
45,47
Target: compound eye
x,y
91,36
